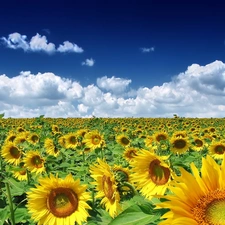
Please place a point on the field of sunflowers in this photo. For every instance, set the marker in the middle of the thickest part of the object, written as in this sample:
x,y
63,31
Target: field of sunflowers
x,y
112,171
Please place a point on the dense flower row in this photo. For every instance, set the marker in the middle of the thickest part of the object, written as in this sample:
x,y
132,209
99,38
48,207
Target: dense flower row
x,y
119,158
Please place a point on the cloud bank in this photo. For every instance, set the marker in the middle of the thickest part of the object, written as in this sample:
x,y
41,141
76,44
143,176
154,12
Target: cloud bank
x,y
197,92
38,43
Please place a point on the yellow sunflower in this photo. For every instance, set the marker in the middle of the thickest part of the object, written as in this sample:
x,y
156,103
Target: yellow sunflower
x,y
106,186
10,137
11,153
62,141
21,173
217,149
198,144
123,140
130,153
55,129
34,162
71,140
51,148
197,199
160,136
93,140
150,174
179,145
58,201
33,138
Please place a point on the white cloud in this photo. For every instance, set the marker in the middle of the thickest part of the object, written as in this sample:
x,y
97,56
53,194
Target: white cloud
x,y
38,43
15,41
197,92
145,50
69,47
88,62
113,84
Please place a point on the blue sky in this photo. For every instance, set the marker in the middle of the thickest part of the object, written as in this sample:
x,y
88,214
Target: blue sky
x,y
115,51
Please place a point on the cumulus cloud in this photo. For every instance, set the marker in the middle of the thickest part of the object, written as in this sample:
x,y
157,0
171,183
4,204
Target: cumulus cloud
x,y
197,92
69,47
88,62
38,43
145,50
113,84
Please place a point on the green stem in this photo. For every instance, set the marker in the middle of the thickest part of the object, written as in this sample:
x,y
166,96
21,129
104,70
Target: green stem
x,y
10,203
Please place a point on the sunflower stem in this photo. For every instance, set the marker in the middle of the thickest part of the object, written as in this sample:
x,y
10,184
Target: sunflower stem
x,y
28,177
9,196
102,155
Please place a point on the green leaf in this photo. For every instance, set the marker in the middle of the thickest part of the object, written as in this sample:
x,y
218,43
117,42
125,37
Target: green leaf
x,y
21,215
134,215
4,214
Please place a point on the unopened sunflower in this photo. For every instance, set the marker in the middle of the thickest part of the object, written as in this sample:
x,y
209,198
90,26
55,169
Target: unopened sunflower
x,y
58,201
106,186
197,199
150,174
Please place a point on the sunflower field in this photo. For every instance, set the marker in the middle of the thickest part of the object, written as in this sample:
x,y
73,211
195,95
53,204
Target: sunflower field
x,y
112,171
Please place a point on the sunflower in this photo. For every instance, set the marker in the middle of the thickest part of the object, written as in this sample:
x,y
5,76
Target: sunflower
x,y
106,186
51,148
62,141
81,132
21,173
33,138
21,138
150,174
179,145
11,153
71,140
160,136
34,162
10,137
197,199
93,140
149,141
58,201
217,149
123,140
130,153
55,129
198,144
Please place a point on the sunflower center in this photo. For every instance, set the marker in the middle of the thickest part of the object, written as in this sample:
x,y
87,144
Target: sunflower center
x,y
34,138
37,161
160,137
180,144
14,151
96,140
158,174
73,140
107,187
62,202
125,141
220,149
198,143
22,172
210,208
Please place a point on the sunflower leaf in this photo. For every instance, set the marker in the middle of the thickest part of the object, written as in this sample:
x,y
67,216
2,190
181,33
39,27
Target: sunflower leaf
x,y
134,215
